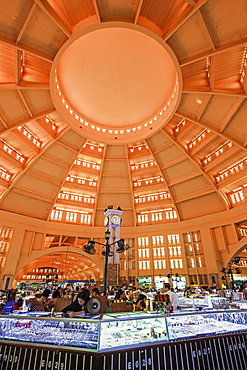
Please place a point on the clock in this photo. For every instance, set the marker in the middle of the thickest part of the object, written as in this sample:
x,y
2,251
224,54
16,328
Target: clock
x,y
115,220
106,221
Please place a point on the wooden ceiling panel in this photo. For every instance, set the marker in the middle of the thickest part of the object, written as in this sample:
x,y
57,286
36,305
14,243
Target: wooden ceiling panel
x,y
43,35
72,140
237,127
44,167
191,103
196,186
200,206
24,204
180,171
13,15
157,141
38,100
72,11
117,10
168,155
12,107
221,16
189,38
217,110
60,153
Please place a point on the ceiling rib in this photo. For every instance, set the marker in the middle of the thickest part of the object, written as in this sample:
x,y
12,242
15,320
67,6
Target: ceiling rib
x,y
25,103
207,90
165,182
211,128
26,49
207,32
138,10
29,164
29,119
17,66
200,169
229,47
25,24
231,113
174,26
212,72
45,6
97,10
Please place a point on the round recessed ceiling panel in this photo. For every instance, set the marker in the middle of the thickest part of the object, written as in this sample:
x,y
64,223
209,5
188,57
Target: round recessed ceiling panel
x,y
116,83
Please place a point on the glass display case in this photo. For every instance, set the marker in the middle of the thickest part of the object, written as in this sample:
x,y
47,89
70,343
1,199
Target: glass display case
x,y
184,326
185,302
219,303
120,330
239,304
56,331
128,329
200,302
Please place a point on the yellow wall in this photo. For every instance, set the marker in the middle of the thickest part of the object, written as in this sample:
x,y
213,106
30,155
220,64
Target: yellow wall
x,y
219,236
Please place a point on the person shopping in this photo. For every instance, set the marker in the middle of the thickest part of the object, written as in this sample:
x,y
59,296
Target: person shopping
x,y
173,298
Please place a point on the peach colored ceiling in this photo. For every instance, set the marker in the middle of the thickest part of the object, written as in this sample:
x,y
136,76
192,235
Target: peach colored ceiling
x,y
190,165
116,78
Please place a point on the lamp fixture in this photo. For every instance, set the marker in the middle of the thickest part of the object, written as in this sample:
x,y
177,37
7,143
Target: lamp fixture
x,y
89,247
121,246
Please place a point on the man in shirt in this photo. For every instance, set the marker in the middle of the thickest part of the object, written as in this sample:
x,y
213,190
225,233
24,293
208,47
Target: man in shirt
x,y
172,296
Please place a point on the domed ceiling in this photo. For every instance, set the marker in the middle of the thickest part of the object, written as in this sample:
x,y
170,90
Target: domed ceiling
x,y
139,104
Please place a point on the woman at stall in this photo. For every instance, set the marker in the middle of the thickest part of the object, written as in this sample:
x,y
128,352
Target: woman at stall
x,y
44,299
79,306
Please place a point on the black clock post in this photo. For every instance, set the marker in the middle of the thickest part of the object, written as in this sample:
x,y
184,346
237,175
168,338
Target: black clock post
x,y
112,222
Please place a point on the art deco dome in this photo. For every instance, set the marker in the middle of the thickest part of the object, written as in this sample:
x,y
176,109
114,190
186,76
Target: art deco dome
x,y
139,104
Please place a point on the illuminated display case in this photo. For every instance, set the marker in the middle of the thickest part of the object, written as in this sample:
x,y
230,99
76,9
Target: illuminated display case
x,y
119,330
185,326
132,328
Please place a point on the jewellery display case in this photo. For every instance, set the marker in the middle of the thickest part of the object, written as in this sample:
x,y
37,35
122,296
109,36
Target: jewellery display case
x,y
219,303
123,341
239,304
86,333
200,302
132,328
62,332
187,325
185,302
118,330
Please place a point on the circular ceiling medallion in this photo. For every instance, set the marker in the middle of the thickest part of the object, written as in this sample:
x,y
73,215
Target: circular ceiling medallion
x,y
116,82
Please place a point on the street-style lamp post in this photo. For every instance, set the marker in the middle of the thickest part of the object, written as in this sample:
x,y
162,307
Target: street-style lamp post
x,y
89,248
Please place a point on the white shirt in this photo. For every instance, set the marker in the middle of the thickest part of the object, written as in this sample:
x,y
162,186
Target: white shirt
x,y
173,299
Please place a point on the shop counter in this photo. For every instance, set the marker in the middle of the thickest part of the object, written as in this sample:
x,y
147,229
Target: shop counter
x,y
131,340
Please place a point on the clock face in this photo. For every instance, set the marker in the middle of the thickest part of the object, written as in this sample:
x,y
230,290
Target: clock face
x,y
115,220
106,220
